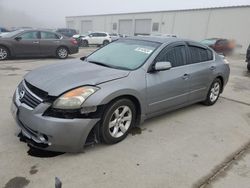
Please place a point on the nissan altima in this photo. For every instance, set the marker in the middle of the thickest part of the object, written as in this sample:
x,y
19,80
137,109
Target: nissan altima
x,y
102,96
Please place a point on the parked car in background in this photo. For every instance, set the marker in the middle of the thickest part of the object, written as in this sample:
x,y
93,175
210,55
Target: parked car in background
x,y
248,58
114,89
24,43
67,32
78,38
221,46
3,31
115,36
96,38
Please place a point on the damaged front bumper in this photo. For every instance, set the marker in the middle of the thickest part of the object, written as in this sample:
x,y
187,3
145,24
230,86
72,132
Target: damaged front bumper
x,y
50,133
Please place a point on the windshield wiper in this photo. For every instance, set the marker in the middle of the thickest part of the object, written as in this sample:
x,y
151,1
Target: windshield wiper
x,y
109,66
101,64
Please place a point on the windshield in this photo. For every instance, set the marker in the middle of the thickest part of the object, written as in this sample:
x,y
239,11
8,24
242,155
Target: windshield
x,y
124,54
11,34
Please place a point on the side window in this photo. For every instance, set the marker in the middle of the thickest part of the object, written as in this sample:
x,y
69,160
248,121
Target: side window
x,y
30,35
48,35
176,56
200,54
103,34
94,34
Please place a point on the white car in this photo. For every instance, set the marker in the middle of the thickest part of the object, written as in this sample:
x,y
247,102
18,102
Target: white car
x,y
95,38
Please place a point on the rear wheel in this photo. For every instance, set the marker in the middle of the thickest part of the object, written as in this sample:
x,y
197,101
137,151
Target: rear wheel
x,y
62,53
4,53
248,66
214,92
117,121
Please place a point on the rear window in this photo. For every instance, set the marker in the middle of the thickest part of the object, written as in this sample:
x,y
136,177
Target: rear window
x,y
48,35
199,54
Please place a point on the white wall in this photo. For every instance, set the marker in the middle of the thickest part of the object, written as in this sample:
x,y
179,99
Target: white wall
x,y
231,23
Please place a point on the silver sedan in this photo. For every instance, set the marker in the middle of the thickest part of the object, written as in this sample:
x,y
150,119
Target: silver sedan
x,y
99,98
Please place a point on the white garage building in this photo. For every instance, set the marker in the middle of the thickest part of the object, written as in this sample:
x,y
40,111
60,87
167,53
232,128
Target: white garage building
x,y
227,22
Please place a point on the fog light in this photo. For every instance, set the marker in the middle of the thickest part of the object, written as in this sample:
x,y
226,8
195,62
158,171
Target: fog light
x,y
89,109
41,137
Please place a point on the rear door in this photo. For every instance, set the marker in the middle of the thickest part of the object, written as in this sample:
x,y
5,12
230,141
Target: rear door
x,y
201,66
28,44
169,89
49,42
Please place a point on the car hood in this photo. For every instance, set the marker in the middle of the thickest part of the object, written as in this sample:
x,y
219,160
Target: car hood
x,y
58,78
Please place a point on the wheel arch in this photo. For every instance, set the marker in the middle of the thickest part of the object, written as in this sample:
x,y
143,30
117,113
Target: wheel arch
x,y
222,82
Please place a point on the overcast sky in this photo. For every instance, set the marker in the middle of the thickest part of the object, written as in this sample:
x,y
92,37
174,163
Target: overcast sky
x,y
52,12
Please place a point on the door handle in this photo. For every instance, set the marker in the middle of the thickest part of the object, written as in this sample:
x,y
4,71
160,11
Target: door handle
x,y
185,76
36,42
212,68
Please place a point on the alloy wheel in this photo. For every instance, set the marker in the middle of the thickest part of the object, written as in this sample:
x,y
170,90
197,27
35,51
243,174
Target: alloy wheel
x,y
215,92
62,53
3,54
120,121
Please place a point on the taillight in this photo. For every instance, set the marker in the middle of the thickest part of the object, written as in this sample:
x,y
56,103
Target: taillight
x,y
73,41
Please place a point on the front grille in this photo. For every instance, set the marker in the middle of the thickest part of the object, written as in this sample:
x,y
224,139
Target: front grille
x,y
27,97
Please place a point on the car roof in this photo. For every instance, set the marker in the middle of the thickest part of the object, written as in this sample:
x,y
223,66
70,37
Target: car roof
x,y
159,39
167,40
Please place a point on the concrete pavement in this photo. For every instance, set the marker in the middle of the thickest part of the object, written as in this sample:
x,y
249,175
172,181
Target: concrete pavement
x,y
179,149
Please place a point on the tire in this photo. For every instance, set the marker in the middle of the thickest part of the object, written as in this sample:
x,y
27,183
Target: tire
x,y
214,92
62,53
85,43
115,123
4,53
106,42
248,66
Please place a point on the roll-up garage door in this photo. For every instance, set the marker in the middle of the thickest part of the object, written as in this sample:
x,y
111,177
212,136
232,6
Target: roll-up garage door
x,y
86,26
143,27
126,27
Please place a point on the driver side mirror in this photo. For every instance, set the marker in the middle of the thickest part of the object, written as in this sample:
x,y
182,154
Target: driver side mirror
x,y
161,66
18,38
90,36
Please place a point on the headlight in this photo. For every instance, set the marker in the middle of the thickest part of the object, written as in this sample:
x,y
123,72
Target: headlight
x,y
74,98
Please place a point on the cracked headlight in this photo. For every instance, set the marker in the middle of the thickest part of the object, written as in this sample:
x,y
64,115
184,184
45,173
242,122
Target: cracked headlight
x,y
75,98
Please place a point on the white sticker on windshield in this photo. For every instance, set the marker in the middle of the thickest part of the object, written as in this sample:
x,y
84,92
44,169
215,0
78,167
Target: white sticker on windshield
x,y
144,50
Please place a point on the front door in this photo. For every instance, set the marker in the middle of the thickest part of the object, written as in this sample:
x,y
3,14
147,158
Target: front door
x,y
27,44
169,89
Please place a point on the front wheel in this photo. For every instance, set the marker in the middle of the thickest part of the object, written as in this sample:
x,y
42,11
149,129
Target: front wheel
x,y
214,92
84,43
248,66
106,42
62,53
4,53
117,121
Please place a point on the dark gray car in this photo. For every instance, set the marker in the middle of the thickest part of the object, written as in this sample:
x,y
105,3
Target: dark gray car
x,y
33,43
59,107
